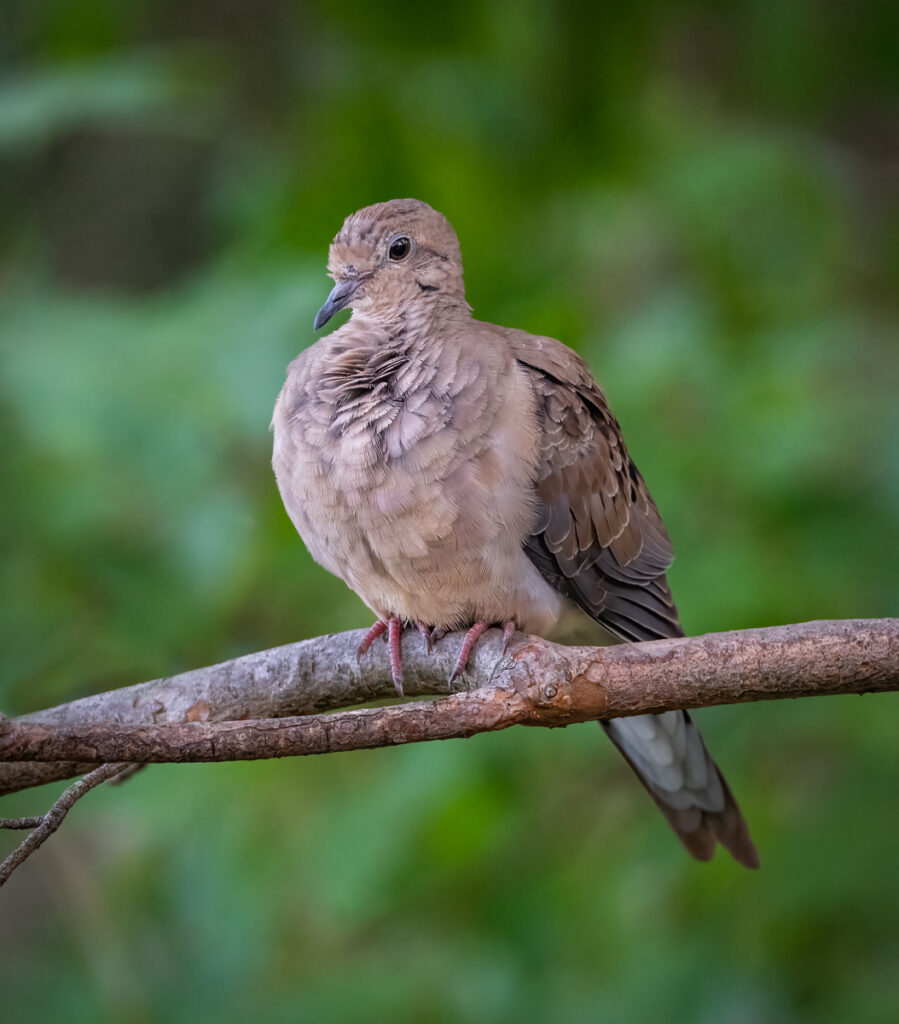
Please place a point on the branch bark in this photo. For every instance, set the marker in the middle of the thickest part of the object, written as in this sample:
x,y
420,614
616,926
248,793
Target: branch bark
x,y
46,824
265,704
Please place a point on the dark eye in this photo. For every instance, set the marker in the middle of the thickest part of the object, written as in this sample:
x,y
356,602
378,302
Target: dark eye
x,y
399,248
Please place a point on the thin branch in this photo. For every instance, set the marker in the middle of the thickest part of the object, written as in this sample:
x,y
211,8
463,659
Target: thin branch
x,y
540,683
45,825
11,824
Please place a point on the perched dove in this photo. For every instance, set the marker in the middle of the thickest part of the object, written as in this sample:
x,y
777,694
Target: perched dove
x,y
457,475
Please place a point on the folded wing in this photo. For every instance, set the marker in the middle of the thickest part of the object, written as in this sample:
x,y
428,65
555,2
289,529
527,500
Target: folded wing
x,y
600,540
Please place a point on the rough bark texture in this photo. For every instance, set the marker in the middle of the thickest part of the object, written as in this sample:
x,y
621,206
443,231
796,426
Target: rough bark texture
x,y
44,826
265,704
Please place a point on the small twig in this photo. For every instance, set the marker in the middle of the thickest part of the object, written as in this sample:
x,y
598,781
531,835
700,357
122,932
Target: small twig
x,y
14,823
45,825
127,773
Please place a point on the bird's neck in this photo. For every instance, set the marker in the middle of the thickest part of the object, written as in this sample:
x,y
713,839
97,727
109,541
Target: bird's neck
x,y
411,325
374,365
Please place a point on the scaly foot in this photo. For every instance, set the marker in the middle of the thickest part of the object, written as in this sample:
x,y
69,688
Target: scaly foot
x,y
393,627
471,638
376,630
508,633
394,641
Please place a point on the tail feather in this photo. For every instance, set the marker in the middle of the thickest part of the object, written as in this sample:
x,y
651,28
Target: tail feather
x,y
669,757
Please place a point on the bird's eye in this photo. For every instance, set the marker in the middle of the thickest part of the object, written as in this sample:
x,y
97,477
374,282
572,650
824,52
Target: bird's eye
x,y
399,248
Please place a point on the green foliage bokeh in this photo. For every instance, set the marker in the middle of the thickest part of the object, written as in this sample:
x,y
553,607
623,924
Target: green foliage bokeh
x,y
702,201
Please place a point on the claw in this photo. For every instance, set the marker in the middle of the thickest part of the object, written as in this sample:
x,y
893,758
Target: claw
x,y
393,627
394,636
471,638
508,633
376,630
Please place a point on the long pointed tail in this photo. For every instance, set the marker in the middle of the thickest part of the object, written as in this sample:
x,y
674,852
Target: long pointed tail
x,y
669,757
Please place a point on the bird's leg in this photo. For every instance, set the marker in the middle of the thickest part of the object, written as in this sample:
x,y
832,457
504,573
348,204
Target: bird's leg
x,y
394,638
508,633
393,627
379,628
471,638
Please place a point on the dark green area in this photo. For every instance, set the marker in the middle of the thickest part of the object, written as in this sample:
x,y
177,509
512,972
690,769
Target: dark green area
x,y
701,199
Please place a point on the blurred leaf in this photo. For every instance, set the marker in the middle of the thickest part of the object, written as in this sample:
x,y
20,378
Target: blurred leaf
x,y
698,199
39,103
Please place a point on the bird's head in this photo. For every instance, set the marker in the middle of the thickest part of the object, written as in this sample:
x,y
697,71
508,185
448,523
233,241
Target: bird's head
x,y
393,257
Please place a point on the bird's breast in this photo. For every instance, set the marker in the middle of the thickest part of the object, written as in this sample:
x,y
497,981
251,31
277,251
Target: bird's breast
x,y
414,490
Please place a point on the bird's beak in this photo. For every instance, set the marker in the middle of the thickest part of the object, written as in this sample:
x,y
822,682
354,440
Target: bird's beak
x,y
340,297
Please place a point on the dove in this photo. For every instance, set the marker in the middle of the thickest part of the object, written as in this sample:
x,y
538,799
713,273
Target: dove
x,y
459,475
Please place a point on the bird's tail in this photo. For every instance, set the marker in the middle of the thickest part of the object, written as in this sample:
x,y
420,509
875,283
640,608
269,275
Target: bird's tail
x,y
670,759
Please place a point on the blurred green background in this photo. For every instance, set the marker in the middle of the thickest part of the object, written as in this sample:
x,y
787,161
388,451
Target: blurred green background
x,y
701,199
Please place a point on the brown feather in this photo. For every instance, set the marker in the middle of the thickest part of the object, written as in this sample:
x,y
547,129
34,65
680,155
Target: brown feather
x,y
611,555
433,461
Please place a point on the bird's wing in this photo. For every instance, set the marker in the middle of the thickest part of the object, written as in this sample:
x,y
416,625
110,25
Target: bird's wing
x,y
599,539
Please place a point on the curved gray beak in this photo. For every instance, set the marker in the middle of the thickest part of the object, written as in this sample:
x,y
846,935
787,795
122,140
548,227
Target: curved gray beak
x,y
340,297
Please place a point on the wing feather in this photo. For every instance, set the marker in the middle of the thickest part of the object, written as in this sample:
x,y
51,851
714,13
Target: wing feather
x,y
596,518
598,538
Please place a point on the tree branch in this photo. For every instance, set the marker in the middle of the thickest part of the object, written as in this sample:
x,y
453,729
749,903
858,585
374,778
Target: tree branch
x,y
269,704
197,716
45,825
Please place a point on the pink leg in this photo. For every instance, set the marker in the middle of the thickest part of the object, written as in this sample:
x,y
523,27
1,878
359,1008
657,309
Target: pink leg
x,y
393,627
376,630
394,636
508,633
471,638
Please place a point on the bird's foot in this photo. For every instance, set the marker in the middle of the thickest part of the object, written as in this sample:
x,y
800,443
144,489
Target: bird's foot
x,y
471,638
508,633
394,640
379,628
393,627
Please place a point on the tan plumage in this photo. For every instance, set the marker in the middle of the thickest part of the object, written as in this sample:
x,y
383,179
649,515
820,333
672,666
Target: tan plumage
x,y
454,472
